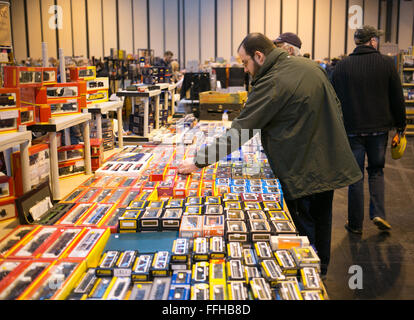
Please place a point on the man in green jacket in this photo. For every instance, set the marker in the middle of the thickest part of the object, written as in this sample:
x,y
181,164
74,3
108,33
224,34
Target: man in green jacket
x,y
299,116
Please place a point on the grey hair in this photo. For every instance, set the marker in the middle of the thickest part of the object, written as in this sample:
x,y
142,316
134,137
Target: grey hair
x,y
296,50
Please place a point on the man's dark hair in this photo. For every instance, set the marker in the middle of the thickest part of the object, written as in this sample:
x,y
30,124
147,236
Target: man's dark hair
x,y
168,53
257,42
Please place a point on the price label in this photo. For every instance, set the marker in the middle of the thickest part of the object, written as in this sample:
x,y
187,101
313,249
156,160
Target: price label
x,y
122,272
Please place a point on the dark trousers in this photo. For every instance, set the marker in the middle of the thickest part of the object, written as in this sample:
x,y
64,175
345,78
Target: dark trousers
x,y
374,147
312,216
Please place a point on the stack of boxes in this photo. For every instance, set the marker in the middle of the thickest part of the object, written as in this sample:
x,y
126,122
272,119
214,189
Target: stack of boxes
x,y
42,96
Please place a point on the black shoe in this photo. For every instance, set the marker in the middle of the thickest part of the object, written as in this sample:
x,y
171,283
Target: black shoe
x,y
351,230
382,224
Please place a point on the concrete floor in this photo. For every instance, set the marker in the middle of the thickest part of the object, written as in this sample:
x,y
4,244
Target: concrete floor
x,y
386,259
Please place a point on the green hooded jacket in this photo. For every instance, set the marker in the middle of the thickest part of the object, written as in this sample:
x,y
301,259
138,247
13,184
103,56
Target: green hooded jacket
x,y
299,116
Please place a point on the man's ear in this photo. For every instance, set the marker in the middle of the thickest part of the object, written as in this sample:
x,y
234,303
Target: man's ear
x,y
259,57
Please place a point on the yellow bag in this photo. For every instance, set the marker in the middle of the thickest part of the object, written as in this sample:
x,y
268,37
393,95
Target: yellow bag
x,y
398,150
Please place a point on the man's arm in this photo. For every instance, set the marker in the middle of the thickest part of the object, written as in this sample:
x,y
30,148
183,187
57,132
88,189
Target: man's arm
x,y
397,102
264,101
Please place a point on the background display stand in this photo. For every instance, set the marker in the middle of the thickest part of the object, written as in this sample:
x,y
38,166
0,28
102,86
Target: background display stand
x,y
58,124
168,88
100,109
145,97
22,138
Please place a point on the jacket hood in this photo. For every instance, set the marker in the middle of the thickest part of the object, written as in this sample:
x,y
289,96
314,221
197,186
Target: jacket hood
x,y
270,60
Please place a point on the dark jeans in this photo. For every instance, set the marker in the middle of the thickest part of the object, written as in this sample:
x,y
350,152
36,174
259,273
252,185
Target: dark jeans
x,y
374,147
312,216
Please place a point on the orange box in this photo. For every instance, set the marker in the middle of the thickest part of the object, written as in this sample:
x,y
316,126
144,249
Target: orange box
x,y
58,91
49,75
166,188
9,120
96,147
89,246
15,287
58,281
8,208
27,115
9,98
15,77
62,241
82,73
31,247
12,239
75,214
71,168
180,188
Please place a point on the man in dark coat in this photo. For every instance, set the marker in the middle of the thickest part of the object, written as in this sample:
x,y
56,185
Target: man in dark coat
x,y
296,109
371,95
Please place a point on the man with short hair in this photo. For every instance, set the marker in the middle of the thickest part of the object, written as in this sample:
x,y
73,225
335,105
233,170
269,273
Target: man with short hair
x,y
166,62
295,108
289,42
371,95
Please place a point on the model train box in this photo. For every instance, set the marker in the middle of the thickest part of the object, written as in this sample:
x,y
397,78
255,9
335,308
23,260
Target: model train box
x,y
89,246
9,120
82,73
15,77
9,98
58,282
14,288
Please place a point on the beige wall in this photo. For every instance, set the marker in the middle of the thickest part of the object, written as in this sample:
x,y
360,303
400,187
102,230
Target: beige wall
x,y
205,29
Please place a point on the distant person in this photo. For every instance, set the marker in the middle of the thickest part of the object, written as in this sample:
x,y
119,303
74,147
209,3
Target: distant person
x,y
306,55
371,95
289,42
166,61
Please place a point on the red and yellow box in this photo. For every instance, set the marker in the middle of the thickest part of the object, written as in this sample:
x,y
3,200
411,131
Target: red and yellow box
x,y
96,216
71,168
61,242
180,188
8,208
27,115
72,152
17,286
82,73
14,237
35,244
9,120
58,91
97,96
166,188
49,75
15,77
56,284
97,148
9,98
76,214
89,246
